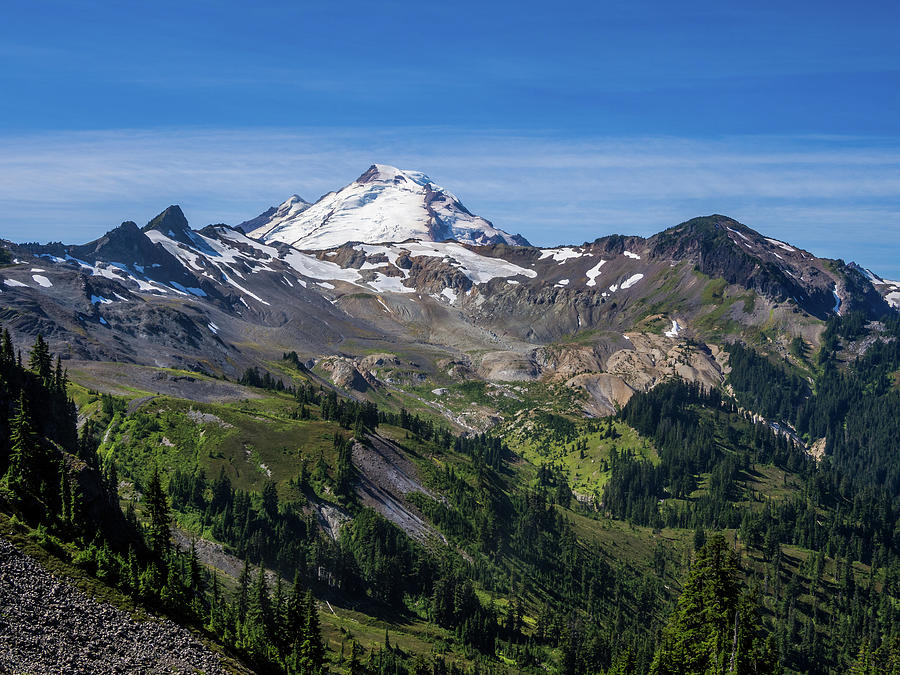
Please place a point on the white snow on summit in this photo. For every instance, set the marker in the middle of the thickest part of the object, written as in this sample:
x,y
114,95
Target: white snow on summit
x,y
385,204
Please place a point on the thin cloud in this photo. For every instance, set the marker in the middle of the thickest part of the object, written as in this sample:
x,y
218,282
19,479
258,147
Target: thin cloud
x,y
839,197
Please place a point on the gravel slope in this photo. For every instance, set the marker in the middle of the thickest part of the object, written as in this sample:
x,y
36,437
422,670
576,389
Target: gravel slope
x,y
47,626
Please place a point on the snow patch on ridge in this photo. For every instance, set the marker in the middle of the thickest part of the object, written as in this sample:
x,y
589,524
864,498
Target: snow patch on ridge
x,y
593,273
781,244
560,255
631,281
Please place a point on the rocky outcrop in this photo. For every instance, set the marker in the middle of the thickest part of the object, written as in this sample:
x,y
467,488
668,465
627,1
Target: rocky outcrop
x,y
344,373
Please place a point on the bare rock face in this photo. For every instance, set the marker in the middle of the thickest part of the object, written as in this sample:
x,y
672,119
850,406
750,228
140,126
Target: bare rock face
x,y
344,373
654,358
374,361
386,476
502,366
605,392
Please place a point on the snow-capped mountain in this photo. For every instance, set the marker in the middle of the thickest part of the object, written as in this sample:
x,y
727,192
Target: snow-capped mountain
x,y
216,300
385,204
285,212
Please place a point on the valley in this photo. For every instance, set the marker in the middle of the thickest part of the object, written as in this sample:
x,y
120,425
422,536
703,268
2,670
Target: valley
x,y
378,434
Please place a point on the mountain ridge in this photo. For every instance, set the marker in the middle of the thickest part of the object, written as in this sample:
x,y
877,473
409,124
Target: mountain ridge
x,y
609,317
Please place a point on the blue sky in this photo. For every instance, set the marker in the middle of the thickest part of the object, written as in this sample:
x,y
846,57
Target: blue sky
x,y
563,121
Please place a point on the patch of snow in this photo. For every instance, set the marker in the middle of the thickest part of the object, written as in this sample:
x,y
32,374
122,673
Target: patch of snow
x,y
478,268
37,269
41,280
99,300
674,330
893,299
740,234
12,283
837,300
631,281
781,244
385,284
199,292
325,285
450,294
560,255
231,281
390,252
512,282
103,321
563,282
312,267
594,272
629,254
177,249
213,327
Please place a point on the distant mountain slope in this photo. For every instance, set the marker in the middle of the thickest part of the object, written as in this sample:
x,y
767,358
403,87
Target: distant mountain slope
x,y
384,204
610,317
285,212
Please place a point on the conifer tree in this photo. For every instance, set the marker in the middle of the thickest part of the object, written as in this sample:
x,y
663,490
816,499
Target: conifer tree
x,y
22,474
312,651
714,628
65,496
261,605
295,613
158,512
243,593
60,379
7,353
195,578
40,360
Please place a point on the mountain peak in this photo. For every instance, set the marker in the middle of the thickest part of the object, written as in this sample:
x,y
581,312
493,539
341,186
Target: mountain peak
x,y
384,173
385,204
170,220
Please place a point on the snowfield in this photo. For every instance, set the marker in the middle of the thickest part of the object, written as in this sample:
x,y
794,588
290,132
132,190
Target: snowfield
x,y
385,204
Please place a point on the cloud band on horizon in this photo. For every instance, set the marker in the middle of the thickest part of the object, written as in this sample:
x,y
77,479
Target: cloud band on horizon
x,y
836,196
